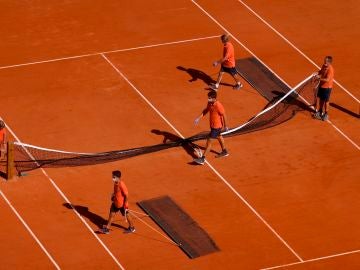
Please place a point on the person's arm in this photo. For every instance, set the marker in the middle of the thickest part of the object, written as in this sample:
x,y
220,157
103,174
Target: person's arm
x,y
222,60
327,77
224,120
125,200
203,113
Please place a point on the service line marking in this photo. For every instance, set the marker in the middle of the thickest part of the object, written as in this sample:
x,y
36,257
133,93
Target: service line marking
x,y
107,52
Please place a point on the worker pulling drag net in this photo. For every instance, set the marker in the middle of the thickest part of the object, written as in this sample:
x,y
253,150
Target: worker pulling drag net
x,y
28,157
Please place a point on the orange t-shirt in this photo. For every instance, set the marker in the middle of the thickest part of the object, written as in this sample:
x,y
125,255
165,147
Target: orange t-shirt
x,y
229,55
216,111
2,136
327,73
120,191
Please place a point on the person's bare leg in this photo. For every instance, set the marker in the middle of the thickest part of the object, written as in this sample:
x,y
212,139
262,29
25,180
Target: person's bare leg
x,y
237,80
326,106
208,146
110,219
216,85
317,104
222,142
129,219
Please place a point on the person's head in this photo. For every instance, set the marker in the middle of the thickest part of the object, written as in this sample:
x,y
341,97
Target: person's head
x,y
116,175
328,60
212,95
225,38
2,124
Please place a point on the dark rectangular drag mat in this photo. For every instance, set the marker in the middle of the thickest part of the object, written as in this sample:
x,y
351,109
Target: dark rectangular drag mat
x,y
181,228
261,78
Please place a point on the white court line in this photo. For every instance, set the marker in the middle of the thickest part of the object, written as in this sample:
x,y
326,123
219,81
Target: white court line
x,y
248,50
293,46
210,166
68,201
29,230
107,52
312,260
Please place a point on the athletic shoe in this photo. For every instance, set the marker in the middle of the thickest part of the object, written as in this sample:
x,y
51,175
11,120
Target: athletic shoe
x,y
224,153
238,86
130,230
200,160
325,117
317,115
105,230
213,86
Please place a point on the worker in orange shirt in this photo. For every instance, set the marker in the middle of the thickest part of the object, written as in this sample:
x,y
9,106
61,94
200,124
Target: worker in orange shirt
x,y
119,203
217,124
3,139
326,77
227,63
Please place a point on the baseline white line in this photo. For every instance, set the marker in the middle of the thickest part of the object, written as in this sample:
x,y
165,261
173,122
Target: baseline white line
x,y
29,230
293,46
68,202
210,166
248,50
107,52
312,260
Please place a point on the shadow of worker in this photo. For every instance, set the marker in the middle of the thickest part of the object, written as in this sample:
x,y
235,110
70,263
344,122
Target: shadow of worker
x,y
197,75
169,138
84,212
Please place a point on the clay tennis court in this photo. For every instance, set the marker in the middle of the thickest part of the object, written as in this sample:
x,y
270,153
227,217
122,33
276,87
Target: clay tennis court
x,y
92,76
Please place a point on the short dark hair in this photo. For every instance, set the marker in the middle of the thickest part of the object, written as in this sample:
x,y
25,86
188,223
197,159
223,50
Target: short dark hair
x,y
225,38
212,94
329,58
116,174
2,124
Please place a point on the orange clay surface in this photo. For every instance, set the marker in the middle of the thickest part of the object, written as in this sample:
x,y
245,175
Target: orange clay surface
x,y
286,197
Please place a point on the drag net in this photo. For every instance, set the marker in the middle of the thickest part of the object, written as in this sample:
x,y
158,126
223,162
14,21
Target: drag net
x,y
284,107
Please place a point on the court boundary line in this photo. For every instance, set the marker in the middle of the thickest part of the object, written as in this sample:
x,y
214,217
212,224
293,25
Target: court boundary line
x,y
253,54
108,52
313,260
74,210
294,47
29,230
252,209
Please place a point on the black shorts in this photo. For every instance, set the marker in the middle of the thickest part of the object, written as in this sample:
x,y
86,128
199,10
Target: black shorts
x,y
324,93
229,70
215,133
114,209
